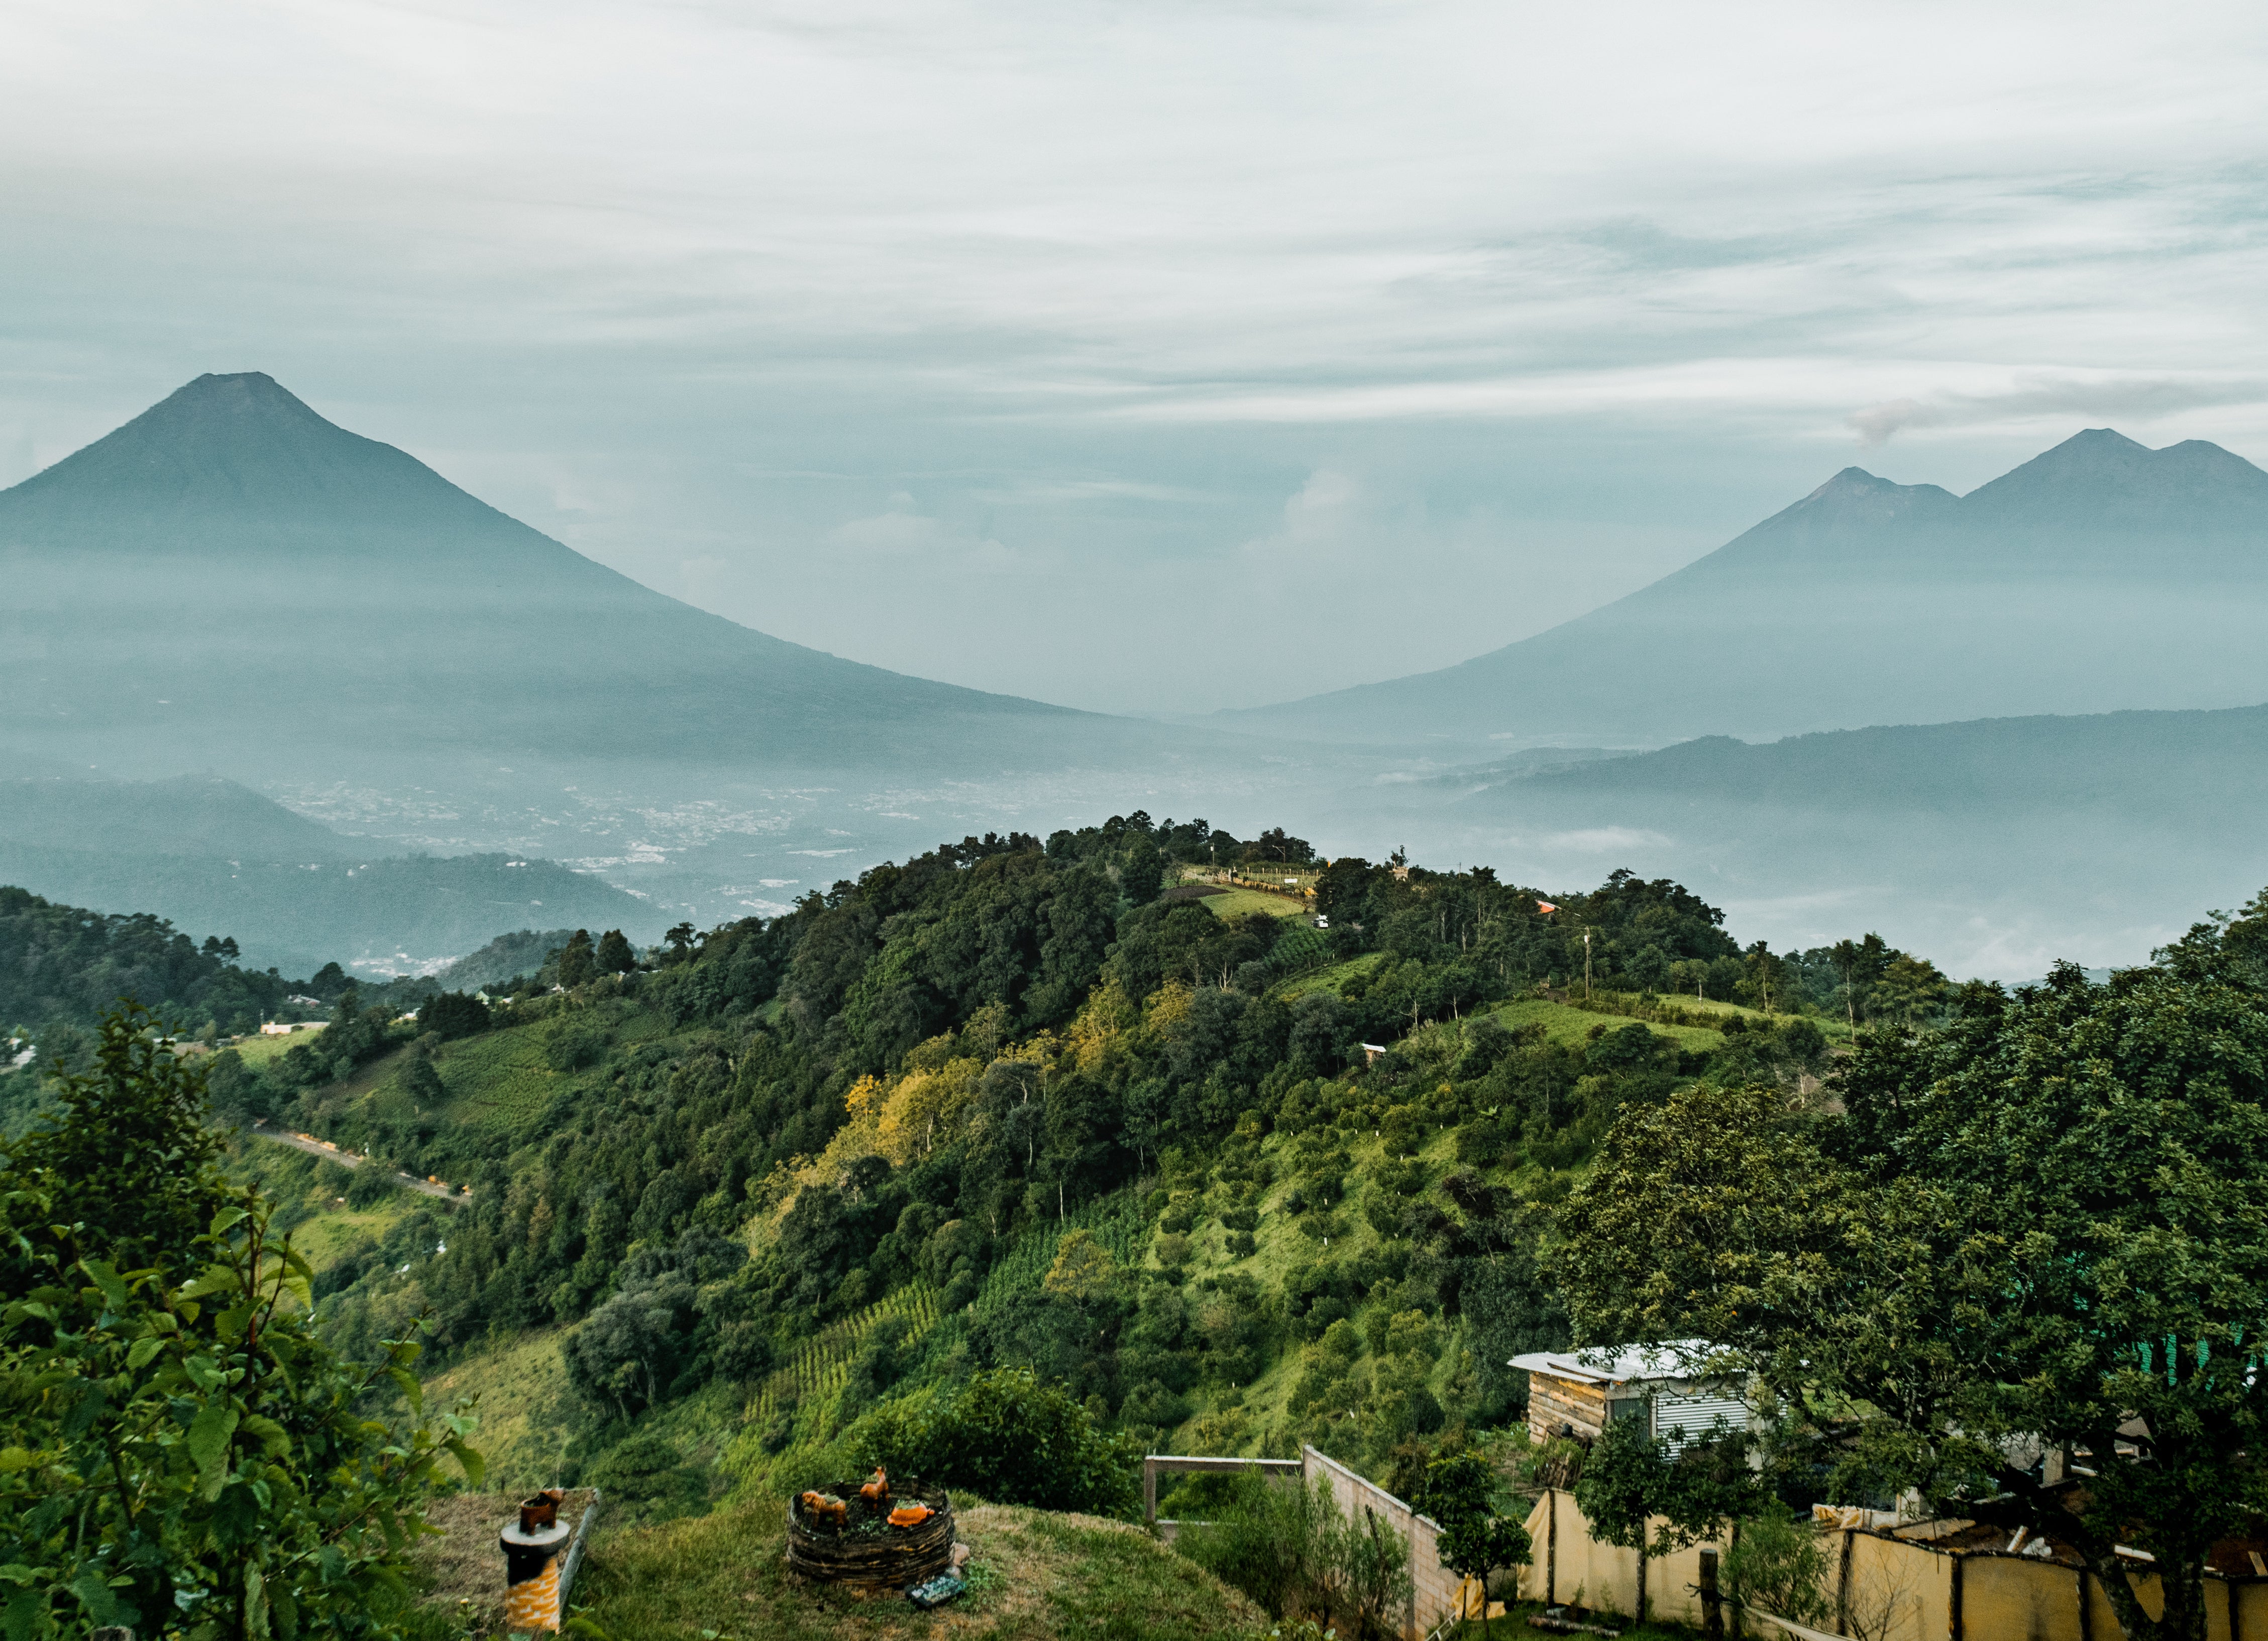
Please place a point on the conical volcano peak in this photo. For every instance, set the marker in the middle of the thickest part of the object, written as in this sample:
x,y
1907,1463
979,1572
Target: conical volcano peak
x,y
1852,499
240,393
238,444
1850,482
2102,479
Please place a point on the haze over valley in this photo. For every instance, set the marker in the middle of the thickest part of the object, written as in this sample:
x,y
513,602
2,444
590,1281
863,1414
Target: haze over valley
x,y
432,679
907,819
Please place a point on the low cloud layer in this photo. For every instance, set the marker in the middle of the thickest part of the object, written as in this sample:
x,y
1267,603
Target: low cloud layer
x,y
2141,399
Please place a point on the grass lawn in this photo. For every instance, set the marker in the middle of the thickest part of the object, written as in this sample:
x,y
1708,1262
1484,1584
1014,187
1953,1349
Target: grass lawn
x,y
1238,902
1564,1024
1034,1575
323,1240
1328,979
258,1051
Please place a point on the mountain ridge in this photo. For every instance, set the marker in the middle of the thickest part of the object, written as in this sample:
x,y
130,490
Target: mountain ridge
x,y
2099,575
232,567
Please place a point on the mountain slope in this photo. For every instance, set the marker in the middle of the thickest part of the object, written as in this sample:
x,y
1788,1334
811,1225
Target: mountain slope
x,y
1996,845
189,815
231,568
2100,575
214,857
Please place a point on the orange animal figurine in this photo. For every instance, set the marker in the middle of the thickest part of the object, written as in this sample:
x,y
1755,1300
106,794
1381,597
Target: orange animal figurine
x,y
877,1492
825,1507
908,1515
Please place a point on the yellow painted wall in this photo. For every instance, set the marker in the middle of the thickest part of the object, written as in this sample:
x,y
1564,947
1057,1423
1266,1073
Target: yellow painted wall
x,y
1898,1589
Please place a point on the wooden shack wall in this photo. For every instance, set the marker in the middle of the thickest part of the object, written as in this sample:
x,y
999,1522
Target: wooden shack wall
x,y
1553,1401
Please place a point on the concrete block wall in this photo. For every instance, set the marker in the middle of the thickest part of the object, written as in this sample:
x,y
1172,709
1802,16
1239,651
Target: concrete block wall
x,y
1433,1587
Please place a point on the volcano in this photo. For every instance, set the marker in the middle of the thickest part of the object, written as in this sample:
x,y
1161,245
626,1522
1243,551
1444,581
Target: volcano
x,y
230,580
2101,575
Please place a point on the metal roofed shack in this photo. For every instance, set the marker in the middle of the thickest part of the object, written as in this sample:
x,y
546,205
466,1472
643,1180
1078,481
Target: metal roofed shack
x,y
1572,1393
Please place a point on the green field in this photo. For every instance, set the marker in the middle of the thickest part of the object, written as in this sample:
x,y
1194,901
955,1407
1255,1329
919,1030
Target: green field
x,y
1564,1023
1241,902
520,1386
325,1239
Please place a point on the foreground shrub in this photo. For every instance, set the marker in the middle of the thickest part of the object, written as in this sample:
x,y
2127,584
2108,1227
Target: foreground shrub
x,y
1006,1436
179,1451
1292,1551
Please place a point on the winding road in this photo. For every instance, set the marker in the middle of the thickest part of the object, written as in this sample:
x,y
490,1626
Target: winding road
x,y
347,1159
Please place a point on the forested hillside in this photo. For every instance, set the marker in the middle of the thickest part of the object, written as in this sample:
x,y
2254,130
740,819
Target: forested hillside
x,y
1049,1104
63,965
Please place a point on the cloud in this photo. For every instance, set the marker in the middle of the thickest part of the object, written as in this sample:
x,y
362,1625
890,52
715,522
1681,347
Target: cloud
x,y
1560,297
920,538
2144,398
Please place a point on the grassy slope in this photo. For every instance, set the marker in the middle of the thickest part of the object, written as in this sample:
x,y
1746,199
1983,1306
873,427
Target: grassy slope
x,y
719,1571
1236,902
1034,1574
522,1387
499,1082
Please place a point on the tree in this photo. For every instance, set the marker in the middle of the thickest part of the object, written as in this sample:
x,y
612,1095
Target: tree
x,y
1460,1493
127,1156
614,955
453,1014
1144,872
2030,1237
576,963
1633,1482
1083,1270
181,1449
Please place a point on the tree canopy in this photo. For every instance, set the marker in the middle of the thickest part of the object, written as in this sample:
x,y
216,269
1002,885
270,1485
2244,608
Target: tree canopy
x,y
2033,1244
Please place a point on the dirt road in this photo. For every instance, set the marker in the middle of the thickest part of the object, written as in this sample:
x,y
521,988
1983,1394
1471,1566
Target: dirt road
x,y
438,1189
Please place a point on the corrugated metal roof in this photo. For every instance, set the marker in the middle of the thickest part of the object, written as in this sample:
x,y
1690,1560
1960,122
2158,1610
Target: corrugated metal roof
x,y
1620,1365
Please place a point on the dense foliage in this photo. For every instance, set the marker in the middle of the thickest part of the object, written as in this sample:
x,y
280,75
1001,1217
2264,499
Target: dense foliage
x,y
1006,1436
180,1451
2033,1242
63,965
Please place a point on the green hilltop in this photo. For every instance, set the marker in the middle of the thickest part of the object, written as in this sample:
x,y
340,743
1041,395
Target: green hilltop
x,y
1017,1103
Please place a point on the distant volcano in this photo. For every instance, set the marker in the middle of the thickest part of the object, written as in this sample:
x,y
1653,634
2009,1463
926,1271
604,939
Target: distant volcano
x,y
230,581
2099,576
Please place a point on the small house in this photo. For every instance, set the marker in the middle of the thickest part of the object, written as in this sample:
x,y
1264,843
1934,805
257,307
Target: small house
x,y
1579,1393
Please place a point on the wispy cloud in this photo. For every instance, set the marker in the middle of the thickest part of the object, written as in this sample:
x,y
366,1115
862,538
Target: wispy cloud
x,y
2145,396
1566,295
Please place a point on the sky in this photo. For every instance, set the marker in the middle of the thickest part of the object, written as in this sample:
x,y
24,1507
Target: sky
x,y
1150,359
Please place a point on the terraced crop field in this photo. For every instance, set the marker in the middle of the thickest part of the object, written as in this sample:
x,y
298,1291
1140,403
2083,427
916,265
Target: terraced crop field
x,y
819,1368
508,1069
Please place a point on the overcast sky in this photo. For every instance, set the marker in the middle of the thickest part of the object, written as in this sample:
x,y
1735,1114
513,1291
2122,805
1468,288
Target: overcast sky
x,y
1156,357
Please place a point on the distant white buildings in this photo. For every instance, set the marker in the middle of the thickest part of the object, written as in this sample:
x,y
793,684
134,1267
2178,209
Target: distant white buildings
x,y
284,1028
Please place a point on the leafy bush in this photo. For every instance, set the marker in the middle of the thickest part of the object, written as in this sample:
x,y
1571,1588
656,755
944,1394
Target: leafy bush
x,y
1776,1566
1006,1436
182,1451
572,1042
1291,1550
371,1183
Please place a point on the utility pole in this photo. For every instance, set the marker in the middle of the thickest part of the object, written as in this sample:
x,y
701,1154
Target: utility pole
x,y
1586,965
